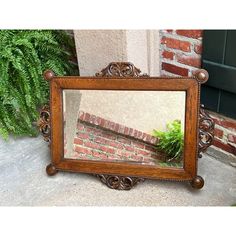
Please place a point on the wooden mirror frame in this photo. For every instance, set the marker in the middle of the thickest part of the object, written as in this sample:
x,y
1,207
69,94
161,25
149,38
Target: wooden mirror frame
x,y
199,127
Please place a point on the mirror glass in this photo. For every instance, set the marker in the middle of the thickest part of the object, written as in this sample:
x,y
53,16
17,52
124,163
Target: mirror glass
x,y
139,127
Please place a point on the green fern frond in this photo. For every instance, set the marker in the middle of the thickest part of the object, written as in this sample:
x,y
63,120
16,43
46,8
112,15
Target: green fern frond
x,y
172,141
24,55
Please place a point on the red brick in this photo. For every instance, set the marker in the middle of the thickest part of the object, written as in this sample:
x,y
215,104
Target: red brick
x,y
216,120
198,48
102,123
123,140
131,132
189,60
108,135
99,155
135,133
98,121
78,141
168,55
106,124
231,138
86,117
138,144
83,135
139,135
174,69
142,152
82,150
81,115
148,138
137,157
80,127
100,140
153,140
229,124
126,131
123,154
121,129
114,144
129,148
107,149
117,127
169,31
112,126
223,146
176,44
91,145
190,33
92,119
97,132
150,148
89,129
219,133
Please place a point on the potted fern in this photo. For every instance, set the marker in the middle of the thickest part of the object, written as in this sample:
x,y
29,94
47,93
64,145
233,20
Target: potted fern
x,y
24,55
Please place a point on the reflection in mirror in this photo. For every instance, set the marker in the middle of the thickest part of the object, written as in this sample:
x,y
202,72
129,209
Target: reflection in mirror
x,y
140,127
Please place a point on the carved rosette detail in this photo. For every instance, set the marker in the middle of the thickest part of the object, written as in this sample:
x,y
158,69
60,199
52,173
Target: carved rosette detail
x,y
120,69
206,130
119,182
44,123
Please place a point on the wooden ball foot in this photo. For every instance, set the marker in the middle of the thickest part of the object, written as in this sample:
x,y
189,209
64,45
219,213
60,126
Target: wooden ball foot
x,y
51,170
197,182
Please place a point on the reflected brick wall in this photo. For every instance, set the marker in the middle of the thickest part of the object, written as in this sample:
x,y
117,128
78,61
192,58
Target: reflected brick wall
x,y
97,138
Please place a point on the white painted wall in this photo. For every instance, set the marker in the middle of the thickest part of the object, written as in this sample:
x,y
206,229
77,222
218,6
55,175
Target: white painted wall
x,y
97,48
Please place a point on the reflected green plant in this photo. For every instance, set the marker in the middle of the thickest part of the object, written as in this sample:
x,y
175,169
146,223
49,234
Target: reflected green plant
x,y
171,141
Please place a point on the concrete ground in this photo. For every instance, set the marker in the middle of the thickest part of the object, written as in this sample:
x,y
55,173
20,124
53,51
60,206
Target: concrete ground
x,y
23,182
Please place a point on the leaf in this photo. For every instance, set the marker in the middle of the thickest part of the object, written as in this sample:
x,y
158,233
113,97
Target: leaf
x,y
171,141
24,55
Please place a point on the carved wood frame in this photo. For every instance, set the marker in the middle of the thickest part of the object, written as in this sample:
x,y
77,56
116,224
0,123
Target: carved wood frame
x,y
117,175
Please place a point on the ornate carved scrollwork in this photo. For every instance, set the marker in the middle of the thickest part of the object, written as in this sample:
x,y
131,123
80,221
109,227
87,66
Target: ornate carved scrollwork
x,y
119,182
206,130
44,123
120,69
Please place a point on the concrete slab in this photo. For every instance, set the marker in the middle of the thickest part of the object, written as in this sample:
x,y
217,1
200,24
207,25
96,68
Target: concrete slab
x,y
23,182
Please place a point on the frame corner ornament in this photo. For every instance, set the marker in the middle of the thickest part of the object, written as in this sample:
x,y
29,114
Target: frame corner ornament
x,y
197,182
206,130
121,69
201,76
44,123
119,182
51,169
48,75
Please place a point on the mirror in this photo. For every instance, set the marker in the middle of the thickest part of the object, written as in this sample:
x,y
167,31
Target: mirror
x,y
138,127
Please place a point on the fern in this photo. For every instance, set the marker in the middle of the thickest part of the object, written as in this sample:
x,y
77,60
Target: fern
x,y
24,55
172,141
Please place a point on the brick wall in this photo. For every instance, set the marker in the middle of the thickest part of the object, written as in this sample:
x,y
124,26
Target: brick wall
x,y
100,139
180,52
225,134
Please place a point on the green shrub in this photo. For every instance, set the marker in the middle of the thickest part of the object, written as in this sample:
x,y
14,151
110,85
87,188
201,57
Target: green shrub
x,y
172,141
24,55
